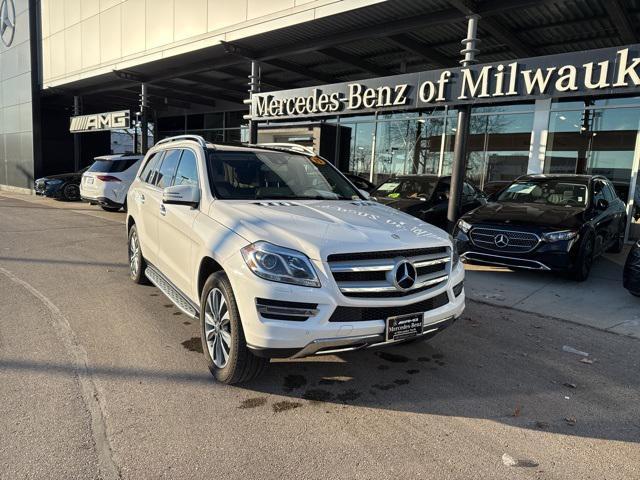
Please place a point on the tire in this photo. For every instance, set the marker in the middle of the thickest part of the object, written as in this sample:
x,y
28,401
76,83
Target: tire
x,y
618,245
70,192
223,343
106,208
137,264
584,260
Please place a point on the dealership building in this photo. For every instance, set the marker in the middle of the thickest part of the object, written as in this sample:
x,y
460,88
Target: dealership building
x,y
374,86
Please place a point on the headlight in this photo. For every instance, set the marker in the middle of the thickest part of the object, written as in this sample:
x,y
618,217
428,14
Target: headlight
x,y
464,226
280,264
54,181
559,236
455,256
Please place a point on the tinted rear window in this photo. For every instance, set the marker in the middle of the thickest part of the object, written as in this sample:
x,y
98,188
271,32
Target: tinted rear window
x,y
111,166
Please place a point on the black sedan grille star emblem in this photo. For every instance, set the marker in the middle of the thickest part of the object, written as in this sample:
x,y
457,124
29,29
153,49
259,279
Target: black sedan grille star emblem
x,y
404,275
501,240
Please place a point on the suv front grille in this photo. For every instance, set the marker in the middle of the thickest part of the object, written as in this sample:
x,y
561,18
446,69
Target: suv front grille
x,y
357,314
370,274
504,240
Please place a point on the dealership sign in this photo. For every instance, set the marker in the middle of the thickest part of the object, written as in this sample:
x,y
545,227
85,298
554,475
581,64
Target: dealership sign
x,y
595,72
100,121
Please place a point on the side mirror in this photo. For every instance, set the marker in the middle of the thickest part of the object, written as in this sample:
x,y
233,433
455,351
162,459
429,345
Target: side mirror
x,y
442,197
364,193
602,204
181,195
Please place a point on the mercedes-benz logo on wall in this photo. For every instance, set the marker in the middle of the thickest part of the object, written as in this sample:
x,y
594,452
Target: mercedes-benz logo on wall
x,y
7,22
404,275
501,240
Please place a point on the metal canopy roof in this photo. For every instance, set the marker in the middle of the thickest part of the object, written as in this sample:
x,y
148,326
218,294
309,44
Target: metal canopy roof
x,y
383,39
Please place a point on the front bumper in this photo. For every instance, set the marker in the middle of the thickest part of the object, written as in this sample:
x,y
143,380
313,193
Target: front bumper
x,y
317,334
555,256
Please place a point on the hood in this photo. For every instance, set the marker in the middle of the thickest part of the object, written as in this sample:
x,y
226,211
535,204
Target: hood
x,y
322,227
505,213
60,176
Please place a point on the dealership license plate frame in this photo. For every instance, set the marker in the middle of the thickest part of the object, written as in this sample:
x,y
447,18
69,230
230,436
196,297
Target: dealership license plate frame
x,y
411,329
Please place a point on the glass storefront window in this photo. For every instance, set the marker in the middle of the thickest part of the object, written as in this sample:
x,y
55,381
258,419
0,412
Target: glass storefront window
x,y
594,141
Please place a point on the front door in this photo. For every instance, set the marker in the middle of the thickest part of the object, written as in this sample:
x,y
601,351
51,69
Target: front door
x,y
175,228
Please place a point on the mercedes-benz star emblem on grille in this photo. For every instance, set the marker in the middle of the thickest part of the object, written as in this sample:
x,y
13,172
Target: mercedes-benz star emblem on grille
x,y
404,275
501,240
7,22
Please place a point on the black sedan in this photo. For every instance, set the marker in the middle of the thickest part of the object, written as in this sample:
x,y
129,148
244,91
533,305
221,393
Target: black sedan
x,y
545,222
65,186
425,196
361,183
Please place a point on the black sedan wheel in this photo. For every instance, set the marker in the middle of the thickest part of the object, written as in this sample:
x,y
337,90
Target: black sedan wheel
x,y
70,192
584,260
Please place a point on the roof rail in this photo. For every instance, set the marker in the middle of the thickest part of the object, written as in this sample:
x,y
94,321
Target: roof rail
x,y
196,138
286,147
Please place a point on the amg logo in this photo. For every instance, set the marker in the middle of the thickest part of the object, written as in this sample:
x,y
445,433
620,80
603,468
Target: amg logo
x,y
100,121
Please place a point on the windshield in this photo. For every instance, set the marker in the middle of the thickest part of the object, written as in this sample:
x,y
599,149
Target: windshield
x,y
550,192
266,175
406,188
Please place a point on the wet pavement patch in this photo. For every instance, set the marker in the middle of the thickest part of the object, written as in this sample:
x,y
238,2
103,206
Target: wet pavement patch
x,y
383,367
193,344
348,395
285,405
253,402
413,371
424,359
177,313
331,381
317,395
168,305
153,294
437,356
442,364
186,323
392,357
401,381
291,382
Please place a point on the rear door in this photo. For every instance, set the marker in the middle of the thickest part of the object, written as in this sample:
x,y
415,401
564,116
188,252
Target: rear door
x,y
603,218
175,228
142,198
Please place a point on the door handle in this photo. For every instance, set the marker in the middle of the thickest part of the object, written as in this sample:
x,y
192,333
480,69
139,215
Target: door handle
x,y
140,197
163,210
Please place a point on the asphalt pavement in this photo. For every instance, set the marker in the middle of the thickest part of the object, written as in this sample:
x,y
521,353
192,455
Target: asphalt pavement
x,y
99,379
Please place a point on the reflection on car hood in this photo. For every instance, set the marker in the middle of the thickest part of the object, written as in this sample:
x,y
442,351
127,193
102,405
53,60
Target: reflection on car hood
x,y
527,214
403,204
321,227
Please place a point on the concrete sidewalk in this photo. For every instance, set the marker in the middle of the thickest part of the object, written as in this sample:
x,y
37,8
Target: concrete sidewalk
x,y
600,302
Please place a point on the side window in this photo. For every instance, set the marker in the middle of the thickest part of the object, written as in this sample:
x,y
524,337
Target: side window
x,y
168,168
187,172
610,193
149,167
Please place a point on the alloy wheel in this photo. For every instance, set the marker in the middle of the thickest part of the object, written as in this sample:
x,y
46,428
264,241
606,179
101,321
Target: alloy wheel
x,y
134,255
217,328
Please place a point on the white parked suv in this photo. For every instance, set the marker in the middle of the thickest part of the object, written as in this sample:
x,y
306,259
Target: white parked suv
x,y
107,181
279,255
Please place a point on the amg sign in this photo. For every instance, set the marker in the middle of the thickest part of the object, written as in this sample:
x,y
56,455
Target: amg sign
x,y
607,71
100,121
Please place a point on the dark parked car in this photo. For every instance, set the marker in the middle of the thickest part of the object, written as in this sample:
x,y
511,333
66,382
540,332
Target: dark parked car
x,y
631,273
425,196
491,188
545,222
361,183
65,186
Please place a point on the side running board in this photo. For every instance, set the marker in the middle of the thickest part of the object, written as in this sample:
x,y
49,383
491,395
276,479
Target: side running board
x,y
172,293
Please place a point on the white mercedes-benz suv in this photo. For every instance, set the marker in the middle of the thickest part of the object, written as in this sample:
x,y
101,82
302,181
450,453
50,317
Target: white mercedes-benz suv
x,y
279,255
